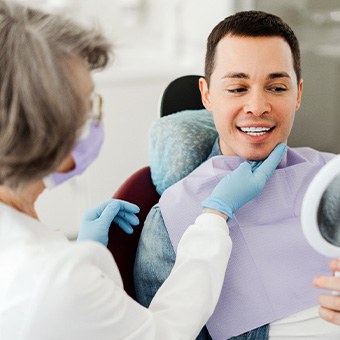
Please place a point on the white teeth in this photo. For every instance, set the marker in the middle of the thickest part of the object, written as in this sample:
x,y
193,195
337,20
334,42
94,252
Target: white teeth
x,y
255,130
255,133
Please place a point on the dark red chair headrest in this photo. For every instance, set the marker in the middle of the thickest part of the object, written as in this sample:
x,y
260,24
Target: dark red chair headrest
x,y
137,189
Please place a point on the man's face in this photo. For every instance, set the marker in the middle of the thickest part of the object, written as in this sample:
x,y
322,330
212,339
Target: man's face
x,y
253,95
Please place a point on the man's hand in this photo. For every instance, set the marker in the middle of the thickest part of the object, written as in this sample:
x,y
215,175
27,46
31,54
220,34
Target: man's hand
x,y
95,223
244,183
330,304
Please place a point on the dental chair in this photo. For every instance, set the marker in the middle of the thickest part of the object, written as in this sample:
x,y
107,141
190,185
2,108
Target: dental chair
x,y
137,189
181,94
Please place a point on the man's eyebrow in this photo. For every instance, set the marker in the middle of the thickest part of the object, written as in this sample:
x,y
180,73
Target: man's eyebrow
x,y
242,75
278,75
236,75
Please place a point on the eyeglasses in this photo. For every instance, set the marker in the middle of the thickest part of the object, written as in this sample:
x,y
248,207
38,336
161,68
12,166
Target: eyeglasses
x,y
96,102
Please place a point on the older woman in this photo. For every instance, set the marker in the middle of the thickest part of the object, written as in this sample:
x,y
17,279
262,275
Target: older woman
x,y
51,288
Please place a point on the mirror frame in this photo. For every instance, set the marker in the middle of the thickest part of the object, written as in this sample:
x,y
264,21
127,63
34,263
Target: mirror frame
x,y
310,206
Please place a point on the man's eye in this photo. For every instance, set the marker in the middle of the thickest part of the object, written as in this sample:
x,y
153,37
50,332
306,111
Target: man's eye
x,y
237,90
278,89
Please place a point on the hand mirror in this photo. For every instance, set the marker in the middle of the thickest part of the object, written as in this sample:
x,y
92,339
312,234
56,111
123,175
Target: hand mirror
x,y
320,212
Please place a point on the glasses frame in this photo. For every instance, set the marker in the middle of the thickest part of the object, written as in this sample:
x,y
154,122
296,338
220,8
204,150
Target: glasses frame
x,y
96,112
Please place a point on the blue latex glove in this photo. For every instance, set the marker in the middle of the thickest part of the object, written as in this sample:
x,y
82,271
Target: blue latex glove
x,y
96,222
244,183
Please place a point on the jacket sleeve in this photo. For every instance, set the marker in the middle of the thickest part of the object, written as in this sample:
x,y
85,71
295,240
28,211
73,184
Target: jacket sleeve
x,y
155,259
81,296
195,282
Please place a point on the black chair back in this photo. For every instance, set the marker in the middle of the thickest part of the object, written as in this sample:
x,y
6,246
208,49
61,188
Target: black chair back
x,y
181,94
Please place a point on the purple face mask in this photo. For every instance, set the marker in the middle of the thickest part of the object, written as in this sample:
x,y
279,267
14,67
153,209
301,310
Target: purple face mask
x,y
83,154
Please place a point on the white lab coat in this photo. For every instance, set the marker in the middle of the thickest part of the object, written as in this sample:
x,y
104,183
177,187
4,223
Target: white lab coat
x,y
51,288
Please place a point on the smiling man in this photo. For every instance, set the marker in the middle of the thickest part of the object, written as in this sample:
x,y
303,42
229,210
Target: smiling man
x,y
253,92
253,88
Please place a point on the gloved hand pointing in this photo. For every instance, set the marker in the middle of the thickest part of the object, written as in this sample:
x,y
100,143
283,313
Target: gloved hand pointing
x,y
96,222
244,183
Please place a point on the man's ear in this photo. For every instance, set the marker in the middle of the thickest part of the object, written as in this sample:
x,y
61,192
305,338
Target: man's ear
x,y
299,95
203,85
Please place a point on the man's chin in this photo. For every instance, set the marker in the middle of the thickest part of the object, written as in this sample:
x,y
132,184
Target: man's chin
x,y
257,155
251,152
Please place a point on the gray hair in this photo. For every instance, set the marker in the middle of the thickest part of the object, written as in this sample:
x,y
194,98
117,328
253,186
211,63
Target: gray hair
x,y
41,108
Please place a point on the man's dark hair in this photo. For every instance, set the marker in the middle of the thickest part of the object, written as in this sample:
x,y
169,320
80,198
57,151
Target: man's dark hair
x,y
251,24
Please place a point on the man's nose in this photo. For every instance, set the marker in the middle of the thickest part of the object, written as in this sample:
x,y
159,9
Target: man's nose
x,y
257,103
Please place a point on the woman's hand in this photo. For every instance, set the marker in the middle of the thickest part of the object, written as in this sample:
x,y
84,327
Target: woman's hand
x,y
243,184
330,304
96,222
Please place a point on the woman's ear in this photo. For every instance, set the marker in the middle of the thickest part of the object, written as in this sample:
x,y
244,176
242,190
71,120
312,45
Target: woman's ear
x,y
67,164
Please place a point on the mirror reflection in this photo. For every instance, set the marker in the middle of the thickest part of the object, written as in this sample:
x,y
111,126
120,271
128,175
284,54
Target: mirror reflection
x,y
329,213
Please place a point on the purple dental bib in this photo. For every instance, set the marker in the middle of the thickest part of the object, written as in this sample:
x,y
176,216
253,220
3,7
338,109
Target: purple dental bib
x,y
271,266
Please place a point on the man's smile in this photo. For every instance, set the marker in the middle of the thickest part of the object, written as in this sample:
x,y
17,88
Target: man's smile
x,y
255,130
